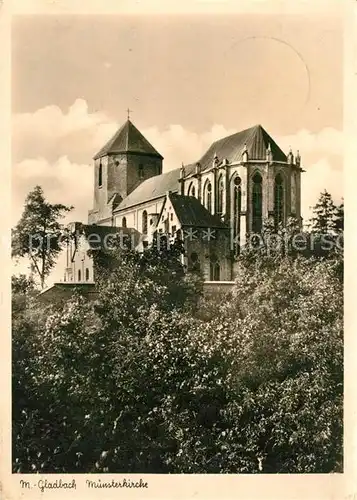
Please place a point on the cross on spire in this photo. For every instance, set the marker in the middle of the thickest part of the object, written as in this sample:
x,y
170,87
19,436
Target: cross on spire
x,y
129,111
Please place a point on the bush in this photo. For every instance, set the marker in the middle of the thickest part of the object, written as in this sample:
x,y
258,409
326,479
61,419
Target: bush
x,y
139,382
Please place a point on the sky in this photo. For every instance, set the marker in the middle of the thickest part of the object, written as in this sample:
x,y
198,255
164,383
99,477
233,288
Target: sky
x,y
188,79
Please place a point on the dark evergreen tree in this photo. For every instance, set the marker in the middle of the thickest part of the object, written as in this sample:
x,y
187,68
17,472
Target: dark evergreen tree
x,y
324,215
339,218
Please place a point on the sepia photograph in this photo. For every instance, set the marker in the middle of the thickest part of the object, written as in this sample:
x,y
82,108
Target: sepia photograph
x,y
177,250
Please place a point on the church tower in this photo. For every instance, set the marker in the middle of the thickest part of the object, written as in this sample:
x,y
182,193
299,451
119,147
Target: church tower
x,y
125,161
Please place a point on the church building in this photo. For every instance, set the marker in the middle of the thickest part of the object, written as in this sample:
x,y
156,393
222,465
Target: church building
x,y
212,204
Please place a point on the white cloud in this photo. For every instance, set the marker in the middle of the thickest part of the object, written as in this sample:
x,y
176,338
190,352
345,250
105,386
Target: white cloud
x,y
318,177
52,122
327,141
62,181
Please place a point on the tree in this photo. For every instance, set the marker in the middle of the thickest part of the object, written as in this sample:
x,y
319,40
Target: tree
x,y
22,284
339,218
155,276
38,233
91,370
129,383
324,215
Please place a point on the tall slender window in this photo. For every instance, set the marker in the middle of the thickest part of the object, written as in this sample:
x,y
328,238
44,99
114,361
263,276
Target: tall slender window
x,y
208,196
141,171
220,195
123,222
257,203
215,270
87,274
278,200
100,175
237,207
145,222
79,275
191,190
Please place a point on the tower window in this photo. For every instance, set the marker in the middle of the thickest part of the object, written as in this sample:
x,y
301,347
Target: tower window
x,y
123,222
144,222
79,275
87,274
278,201
100,175
141,171
257,203
220,195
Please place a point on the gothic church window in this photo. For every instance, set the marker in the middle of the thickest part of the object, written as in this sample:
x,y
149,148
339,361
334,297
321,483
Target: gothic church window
x,y
87,274
123,222
191,190
79,275
257,203
100,175
237,207
215,270
278,200
208,196
194,264
220,195
144,222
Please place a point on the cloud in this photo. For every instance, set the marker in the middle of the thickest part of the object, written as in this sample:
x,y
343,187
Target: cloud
x,y
52,133
327,141
62,181
319,176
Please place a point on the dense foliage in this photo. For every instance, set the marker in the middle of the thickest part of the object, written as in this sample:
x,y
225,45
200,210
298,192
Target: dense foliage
x,y
138,382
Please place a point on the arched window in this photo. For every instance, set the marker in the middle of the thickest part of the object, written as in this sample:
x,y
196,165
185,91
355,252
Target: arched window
x,y
237,207
123,222
194,264
257,203
278,200
215,270
208,196
220,195
191,190
100,175
79,275
144,222
87,274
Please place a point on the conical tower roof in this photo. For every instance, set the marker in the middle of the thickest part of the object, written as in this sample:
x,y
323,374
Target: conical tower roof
x,y
128,139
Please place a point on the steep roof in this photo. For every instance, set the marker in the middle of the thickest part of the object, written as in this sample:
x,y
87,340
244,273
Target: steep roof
x,y
257,140
151,188
154,187
191,212
128,139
